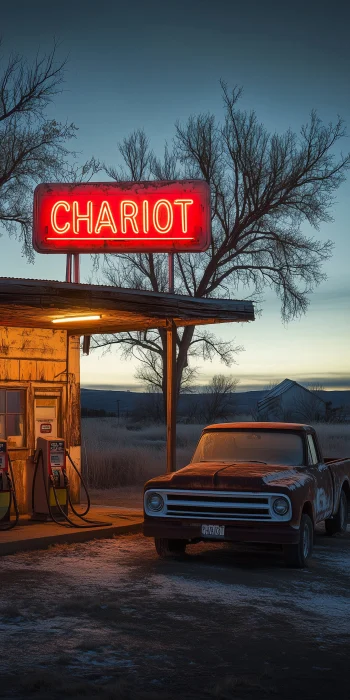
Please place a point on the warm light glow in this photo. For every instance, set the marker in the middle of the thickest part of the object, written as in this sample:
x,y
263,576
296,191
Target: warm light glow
x,y
77,218
105,218
59,229
125,216
145,212
184,203
70,319
170,216
122,217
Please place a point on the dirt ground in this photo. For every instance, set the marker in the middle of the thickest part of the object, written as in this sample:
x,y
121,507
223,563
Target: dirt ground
x,y
108,619
122,497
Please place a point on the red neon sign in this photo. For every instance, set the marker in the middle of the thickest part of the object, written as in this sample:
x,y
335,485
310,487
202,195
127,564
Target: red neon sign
x,y
123,217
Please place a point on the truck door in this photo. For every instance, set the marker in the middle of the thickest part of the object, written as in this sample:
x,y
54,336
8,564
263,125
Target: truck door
x,y
46,416
324,486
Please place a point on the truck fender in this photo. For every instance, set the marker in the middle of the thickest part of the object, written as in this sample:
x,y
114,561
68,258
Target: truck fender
x,y
308,509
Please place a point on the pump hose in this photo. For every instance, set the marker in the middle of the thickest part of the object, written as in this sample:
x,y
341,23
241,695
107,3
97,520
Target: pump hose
x,y
69,522
13,497
81,515
85,512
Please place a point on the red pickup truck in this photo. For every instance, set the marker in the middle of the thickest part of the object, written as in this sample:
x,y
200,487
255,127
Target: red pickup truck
x,y
250,482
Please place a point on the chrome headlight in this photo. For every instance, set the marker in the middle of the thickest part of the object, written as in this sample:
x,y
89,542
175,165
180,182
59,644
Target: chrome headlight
x,y
280,506
155,502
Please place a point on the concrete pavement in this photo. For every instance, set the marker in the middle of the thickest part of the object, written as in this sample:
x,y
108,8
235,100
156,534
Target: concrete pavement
x,y
31,535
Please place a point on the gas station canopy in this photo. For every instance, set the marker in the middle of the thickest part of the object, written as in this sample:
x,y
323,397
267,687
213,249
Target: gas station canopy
x,y
50,304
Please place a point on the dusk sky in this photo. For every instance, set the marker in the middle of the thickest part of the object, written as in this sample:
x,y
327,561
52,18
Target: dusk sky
x,y
148,64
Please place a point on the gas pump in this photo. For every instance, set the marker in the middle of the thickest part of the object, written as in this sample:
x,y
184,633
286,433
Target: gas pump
x,y
7,490
50,490
50,496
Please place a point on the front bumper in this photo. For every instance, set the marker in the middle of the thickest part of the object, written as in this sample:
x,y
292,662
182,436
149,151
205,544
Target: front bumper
x,y
268,533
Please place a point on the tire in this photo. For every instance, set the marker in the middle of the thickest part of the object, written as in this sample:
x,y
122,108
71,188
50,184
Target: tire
x,y
298,555
169,548
340,521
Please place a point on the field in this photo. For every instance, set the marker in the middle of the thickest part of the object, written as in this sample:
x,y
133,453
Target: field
x,y
115,456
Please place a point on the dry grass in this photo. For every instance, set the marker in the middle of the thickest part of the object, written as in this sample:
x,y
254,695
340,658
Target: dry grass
x,y
114,456
334,439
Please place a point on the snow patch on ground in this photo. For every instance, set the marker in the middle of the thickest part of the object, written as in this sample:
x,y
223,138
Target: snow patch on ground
x,y
311,600
331,609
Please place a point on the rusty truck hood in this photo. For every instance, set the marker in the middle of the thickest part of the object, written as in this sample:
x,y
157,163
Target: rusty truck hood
x,y
245,476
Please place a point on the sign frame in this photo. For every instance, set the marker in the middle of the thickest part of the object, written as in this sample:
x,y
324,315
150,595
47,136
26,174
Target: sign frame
x,y
171,217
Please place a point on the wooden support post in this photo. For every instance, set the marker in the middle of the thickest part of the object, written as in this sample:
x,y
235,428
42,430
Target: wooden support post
x,y
86,344
171,395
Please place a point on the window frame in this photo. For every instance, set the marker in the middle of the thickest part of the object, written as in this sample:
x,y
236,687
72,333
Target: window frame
x,y
23,413
311,442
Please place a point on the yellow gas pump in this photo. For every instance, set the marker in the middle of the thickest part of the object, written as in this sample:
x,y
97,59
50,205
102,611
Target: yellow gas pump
x,y
50,496
50,490
7,490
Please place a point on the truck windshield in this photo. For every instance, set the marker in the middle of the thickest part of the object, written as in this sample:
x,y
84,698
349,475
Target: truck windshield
x,y
269,446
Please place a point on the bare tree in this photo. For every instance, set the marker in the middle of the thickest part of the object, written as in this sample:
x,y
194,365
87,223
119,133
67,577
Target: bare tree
x,y
149,408
307,406
32,147
216,400
264,187
149,348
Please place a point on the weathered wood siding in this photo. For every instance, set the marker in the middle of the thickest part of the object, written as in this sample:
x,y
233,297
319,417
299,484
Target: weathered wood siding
x,y
42,360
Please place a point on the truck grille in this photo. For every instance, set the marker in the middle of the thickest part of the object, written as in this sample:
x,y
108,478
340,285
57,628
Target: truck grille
x,y
218,505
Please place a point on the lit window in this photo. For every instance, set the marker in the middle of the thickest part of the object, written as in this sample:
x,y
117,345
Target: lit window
x,y
12,411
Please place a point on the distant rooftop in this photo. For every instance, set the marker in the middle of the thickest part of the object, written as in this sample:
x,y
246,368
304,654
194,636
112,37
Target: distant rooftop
x,y
278,390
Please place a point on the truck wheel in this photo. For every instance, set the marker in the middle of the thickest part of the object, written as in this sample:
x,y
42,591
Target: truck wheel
x,y
340,521
167,548
298,555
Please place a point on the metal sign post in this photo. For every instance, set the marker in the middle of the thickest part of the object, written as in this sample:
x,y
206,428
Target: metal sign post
x,y
69,267
76,268
171,378
73,268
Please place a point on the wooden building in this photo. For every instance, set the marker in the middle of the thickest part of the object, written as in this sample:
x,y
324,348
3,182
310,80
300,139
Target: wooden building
x,y
39,394
41,323
290,401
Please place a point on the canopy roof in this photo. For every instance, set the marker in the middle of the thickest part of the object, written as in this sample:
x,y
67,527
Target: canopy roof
x,y
37,303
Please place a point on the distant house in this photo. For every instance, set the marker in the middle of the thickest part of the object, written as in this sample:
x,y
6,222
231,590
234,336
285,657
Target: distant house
x,y
289,401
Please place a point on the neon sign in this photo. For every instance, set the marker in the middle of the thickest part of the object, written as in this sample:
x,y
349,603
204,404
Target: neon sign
x,y
124,217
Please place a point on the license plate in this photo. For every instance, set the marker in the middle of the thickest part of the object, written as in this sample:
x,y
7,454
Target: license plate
x,y
213,530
